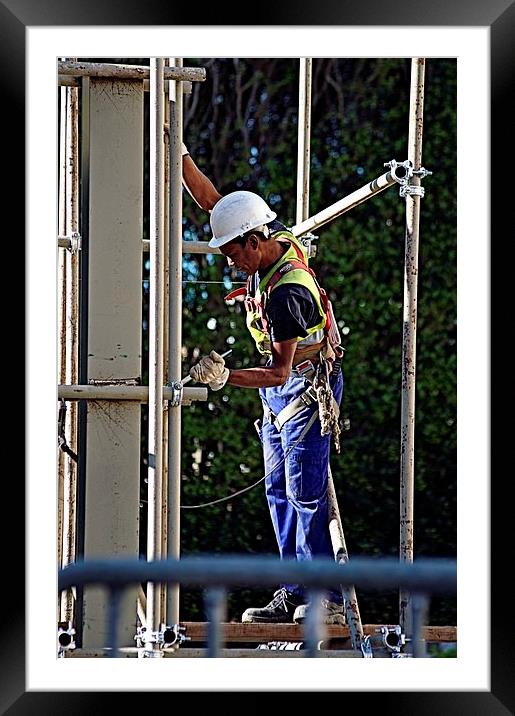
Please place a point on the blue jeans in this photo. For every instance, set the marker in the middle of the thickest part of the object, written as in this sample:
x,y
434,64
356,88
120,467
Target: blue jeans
x,y
297,489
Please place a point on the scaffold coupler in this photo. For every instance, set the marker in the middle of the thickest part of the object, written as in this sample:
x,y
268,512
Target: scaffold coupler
x,y
154,643
402,172
389,639
65,638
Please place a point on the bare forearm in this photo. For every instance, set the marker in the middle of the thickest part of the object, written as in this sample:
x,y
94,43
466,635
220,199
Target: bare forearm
x,y
265,377
198,185
268,376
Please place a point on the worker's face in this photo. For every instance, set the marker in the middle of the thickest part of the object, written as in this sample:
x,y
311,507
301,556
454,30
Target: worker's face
x,y
243,258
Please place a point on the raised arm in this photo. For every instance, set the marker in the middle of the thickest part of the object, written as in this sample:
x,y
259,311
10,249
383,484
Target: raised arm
x,y
198,185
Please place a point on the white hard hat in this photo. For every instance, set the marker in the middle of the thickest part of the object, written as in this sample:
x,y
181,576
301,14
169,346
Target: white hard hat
x,y
237,213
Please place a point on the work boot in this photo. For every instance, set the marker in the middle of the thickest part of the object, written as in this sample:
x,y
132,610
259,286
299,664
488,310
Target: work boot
x,y
330,613
278,611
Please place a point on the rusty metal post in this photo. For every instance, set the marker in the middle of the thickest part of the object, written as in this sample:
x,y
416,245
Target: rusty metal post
x,y
409,334
156,326
127,72
303,142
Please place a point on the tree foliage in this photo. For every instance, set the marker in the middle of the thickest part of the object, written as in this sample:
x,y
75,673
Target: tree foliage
x,y
241,128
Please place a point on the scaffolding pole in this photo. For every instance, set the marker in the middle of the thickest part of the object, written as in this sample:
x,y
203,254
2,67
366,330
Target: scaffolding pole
x,y
122,391
343,205
303,141
175,342
156,343
341,555
69,81
416,117
72,346
166,334
61,317
68,333
323,217
128,72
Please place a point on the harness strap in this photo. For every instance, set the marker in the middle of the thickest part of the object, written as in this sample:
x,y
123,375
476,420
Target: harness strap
x,y
304,400
287,413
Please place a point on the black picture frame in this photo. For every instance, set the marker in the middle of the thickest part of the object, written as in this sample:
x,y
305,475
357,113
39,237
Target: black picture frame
x,y
499,16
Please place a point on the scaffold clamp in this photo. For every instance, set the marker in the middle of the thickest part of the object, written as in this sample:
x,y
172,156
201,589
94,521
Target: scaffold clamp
x,y
168,637
75,242
311,249
65,639
392,637
386,638
402,172
177,391
411,190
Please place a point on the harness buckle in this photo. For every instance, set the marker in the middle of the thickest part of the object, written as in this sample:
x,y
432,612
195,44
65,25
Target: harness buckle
x,y
309,396
305,367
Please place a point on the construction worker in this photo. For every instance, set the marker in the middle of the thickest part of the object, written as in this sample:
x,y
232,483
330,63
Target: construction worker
x,y
288,316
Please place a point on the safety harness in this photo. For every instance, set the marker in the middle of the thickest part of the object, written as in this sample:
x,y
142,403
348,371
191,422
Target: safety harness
x,y
323,339
318,391
292,267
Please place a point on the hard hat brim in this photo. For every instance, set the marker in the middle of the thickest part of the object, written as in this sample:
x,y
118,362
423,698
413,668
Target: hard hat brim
x,y
215,243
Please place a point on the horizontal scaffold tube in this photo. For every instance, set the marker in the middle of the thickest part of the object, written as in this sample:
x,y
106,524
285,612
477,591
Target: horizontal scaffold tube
x,y
343,205
128,72
188,247
314,222
432,576
137,393
69,81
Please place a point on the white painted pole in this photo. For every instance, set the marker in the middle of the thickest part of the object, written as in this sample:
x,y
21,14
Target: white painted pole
x,y
175,341
136,393
341,555
416,118
61,315
317,220
166,338
156,344
72,344
303,142
345,204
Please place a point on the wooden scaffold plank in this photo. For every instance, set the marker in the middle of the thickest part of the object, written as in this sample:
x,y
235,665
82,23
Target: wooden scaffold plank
x,y
234,632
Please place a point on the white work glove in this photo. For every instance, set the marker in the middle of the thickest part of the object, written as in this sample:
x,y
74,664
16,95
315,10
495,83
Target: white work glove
x,y
184,150
211,370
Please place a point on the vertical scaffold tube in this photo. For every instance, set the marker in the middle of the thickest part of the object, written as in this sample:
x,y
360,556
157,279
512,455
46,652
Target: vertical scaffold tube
x,y
416,116
61,314
175,340
72,335
341,555
303,143
166,337
155,401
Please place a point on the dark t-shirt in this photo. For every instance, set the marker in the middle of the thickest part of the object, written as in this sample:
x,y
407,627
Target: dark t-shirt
x,y
290,311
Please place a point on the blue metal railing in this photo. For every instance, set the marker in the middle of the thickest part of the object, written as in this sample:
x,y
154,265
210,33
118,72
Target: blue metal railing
x,y
423,577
